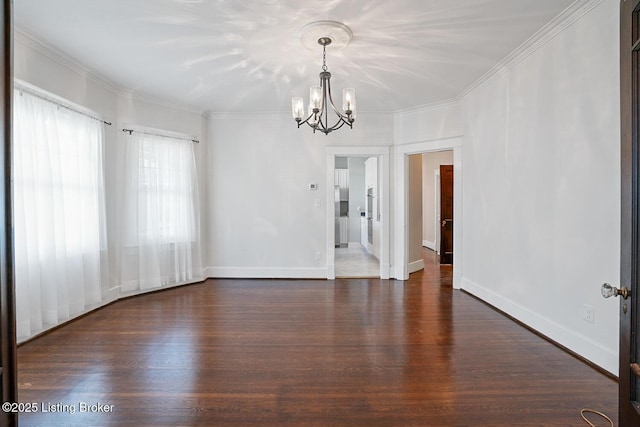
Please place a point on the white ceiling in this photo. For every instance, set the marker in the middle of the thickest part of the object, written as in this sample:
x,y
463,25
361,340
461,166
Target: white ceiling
x,y
246,56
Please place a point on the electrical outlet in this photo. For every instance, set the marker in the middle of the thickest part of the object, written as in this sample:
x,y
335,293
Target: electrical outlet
x,y
318,256
589,313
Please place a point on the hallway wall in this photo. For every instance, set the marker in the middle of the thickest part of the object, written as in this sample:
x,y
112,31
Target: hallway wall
x,y
541,185
430,163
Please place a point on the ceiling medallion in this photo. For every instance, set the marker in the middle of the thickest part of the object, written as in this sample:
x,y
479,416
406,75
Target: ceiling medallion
x,y
325,33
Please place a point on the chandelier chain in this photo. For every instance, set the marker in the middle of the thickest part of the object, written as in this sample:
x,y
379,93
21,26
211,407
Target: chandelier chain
x,y
324,58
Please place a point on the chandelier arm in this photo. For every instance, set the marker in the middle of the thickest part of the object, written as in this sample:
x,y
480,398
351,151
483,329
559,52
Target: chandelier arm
x,y
335,109
324,112
341,122
301,122
324,128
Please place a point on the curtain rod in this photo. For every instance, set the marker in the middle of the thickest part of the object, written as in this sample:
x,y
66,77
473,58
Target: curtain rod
x,y
159,134
59,104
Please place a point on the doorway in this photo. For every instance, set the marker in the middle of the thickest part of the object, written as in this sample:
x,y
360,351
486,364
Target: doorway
x,y
402,229
356,184
381,157
433,227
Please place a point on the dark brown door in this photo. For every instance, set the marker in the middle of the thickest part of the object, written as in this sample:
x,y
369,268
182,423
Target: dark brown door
x,y
8,392
629,383
446,214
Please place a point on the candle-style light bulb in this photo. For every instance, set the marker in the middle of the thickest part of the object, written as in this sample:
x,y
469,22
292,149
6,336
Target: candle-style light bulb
x,y
349,101
315,98
297,107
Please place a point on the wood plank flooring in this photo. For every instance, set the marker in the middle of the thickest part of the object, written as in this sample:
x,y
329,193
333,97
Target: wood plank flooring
x,y
357,352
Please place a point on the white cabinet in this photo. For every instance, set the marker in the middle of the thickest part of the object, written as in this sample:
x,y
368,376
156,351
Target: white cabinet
x,y
372,235
371,183
344,230
363,232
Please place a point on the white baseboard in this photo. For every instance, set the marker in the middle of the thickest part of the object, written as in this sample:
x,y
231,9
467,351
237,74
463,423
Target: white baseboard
x,y
590,350
429,245
266,272
416,266
385,271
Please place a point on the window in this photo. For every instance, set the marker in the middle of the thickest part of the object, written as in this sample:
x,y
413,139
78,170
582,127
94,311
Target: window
x,y
160,232
161,190
59,220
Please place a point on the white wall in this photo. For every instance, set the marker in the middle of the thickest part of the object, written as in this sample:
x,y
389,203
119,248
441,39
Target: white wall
x,y
541,186
428,123
430,163
263,220
414,213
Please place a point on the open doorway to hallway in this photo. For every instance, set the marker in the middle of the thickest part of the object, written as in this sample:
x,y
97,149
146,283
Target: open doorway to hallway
x,y
357,216
429,207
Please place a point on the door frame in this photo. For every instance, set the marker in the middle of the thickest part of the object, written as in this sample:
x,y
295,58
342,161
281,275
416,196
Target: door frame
x,y
401,156
8,357
629,214
382,152
436,213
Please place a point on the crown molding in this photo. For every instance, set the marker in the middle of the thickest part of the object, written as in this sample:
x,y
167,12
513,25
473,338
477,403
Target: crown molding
x,y
557,25
437,105
94,76
65,60
279,114
158,101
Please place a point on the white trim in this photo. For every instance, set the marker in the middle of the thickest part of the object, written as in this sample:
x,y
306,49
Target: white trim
x,y
401,153
416,266
243,115
109,296
557,25
429,245
266,272
383,152
134,283
580,344
458,202
72,64
51,97
441,144
436,210
161,102
428,107
22,37
357,151
330,209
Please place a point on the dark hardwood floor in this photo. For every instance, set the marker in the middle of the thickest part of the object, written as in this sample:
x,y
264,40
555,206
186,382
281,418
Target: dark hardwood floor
x,y
350,352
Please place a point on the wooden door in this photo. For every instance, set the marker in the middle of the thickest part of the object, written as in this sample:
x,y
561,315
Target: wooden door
x,y
8,391
446,214
629,376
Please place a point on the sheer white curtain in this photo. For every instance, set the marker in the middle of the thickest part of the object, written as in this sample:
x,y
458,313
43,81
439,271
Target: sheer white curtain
x,y
59,216
160,225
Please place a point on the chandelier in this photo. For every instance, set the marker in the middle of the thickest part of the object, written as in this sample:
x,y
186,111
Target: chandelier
x,y
320,98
